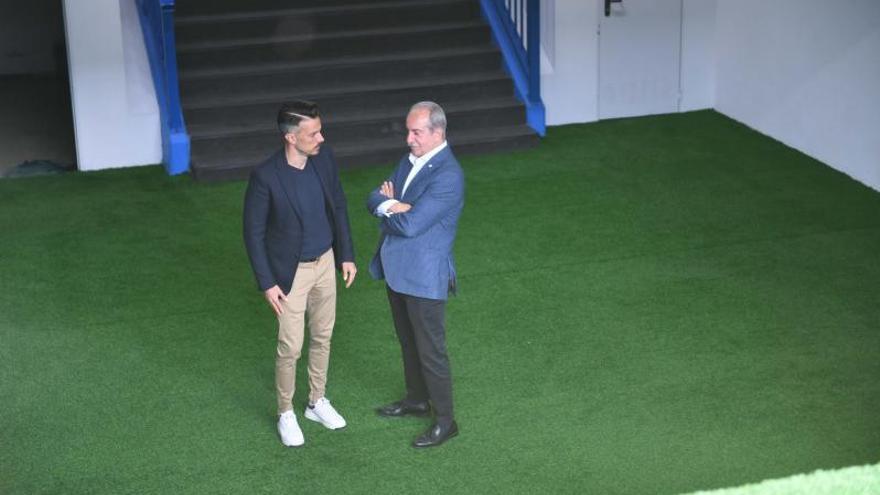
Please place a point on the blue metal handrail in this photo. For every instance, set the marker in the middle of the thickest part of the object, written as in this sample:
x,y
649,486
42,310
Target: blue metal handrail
x,y
517,30
157,23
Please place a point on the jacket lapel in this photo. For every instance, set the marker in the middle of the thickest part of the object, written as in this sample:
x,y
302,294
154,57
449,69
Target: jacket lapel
x,y
417,184
402,172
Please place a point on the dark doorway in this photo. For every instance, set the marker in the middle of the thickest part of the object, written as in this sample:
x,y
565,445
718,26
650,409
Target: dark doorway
x,y
36,124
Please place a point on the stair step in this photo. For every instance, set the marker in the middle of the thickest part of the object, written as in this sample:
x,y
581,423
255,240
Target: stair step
x,y
363,134
370,42
373,71
310,23
219,8
364,61
372,91
379,122
299,66
208,167
356,115
246,110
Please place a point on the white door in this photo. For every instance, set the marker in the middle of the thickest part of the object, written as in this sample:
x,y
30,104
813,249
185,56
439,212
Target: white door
x,y
639,58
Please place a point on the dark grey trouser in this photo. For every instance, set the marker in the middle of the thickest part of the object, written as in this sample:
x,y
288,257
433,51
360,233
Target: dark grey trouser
x,y
420,325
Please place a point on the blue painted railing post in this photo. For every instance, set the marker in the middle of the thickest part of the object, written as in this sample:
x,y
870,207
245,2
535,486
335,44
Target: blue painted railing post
x,y
536,113
178,146
516,28
157,23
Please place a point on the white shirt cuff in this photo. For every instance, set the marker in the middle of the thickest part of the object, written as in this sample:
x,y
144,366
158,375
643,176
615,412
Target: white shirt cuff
x,y
382,209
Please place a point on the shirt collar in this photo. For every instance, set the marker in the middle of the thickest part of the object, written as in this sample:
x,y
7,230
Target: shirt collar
x,y
418,162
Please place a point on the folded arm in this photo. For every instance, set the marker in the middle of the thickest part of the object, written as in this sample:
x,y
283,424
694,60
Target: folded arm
x,y
444,194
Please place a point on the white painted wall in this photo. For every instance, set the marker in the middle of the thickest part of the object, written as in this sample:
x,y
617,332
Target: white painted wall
x,y
115,115
570,63
697,55
640,58
805,72
569,84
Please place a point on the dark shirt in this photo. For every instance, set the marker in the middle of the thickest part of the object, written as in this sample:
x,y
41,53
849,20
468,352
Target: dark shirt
x,y
304,186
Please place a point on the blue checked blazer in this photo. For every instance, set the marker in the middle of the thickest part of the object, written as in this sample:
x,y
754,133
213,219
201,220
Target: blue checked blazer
x,y
415,248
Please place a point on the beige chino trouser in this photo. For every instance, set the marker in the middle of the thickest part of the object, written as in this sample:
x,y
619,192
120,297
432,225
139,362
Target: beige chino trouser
x,y
312,297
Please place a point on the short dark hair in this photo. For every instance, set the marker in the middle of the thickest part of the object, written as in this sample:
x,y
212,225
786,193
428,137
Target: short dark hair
x,y
292,113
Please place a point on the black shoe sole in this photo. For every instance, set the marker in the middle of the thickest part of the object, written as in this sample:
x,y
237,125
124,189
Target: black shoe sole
x,y
418,414
435,444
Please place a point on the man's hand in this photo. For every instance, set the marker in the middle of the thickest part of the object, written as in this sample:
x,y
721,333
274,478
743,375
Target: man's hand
x,y
274,295
399,208
349,270
387,189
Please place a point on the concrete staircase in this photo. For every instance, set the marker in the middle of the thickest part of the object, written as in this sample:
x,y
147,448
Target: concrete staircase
x,y
364,62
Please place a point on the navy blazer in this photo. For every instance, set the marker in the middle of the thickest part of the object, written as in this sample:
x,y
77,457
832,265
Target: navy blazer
x,y
273,230
415,248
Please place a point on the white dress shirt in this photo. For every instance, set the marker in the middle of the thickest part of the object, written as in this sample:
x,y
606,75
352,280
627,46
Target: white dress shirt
x,y
418,163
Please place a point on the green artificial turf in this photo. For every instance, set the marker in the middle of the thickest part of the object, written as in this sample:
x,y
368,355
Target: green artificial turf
x,y
655,305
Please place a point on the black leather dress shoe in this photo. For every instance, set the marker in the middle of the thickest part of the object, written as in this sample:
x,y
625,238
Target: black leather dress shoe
x,y
436,435
403,408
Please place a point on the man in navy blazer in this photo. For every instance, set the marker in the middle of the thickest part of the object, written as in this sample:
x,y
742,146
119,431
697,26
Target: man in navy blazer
x,y
296,231
419,206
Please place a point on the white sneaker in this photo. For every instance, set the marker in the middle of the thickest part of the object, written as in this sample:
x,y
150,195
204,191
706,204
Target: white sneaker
x,y
323,413
288,429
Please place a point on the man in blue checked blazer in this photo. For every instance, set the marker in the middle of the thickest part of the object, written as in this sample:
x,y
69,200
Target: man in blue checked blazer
x,y
419,206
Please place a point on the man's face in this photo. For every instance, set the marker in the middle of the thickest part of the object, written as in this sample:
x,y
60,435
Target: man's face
x,y
308,136
420,137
